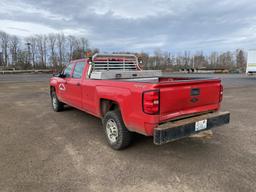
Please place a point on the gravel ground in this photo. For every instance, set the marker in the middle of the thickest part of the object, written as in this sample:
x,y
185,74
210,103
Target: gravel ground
x,y
41,150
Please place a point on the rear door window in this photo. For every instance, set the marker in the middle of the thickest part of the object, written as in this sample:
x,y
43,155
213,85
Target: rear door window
x,y
78,71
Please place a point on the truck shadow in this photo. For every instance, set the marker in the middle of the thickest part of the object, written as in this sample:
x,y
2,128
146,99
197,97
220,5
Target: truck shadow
x,y
184,143
91,131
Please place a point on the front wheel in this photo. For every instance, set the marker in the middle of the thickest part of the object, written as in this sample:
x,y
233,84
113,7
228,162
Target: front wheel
x,y
118,136
56,104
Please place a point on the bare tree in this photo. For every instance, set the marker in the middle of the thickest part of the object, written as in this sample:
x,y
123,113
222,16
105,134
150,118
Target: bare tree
x,y
40,49
45,40
84,44
4,38
14,45
60,45
213,59
52,43
72,42
22,59
240,59
200,60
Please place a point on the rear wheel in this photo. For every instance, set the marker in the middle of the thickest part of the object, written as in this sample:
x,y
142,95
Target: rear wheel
x,y
56,104
118,136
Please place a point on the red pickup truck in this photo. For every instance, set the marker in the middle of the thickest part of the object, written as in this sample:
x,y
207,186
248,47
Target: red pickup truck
x,y
128,99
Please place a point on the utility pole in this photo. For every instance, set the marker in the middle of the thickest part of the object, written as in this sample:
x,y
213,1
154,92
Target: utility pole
x,y
1,58
193,61
28,44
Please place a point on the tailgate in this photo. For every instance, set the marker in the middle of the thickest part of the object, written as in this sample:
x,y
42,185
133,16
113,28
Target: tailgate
x,y
179,99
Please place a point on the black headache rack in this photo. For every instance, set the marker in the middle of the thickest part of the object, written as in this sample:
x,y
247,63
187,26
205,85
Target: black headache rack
x,y
172,131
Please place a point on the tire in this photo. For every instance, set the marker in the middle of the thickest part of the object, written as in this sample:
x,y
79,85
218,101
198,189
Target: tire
x,y
56,104
118,136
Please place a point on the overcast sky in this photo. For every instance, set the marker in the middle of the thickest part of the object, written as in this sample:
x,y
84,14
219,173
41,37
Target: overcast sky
x,y
133,25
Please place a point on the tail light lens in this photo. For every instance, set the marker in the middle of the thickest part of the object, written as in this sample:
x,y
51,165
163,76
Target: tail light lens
x,y
221,93
151,102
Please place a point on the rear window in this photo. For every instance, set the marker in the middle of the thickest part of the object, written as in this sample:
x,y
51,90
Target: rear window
x,y
78,71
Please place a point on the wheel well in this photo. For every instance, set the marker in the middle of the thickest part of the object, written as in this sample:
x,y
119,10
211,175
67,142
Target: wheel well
x,y
107,105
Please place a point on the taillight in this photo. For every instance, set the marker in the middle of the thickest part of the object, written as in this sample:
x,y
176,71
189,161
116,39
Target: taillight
x,y
151,102
221,92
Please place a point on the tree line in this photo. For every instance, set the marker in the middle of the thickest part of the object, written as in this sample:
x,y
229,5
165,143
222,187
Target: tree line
x,y
233,61
40,51
55,50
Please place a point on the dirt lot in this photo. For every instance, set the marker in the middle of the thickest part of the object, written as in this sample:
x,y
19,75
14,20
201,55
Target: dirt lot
x,y
41,150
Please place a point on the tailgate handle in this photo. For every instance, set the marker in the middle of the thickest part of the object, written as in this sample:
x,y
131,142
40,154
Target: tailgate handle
x,y
195,92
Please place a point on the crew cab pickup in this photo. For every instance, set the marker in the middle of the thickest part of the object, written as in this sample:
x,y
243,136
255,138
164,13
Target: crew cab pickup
x,y
127,99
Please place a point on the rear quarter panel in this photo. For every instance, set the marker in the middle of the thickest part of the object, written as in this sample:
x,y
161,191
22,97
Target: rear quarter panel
x,y
129,98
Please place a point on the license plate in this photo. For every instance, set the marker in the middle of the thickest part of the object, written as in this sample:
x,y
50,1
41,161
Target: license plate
x,y
200,125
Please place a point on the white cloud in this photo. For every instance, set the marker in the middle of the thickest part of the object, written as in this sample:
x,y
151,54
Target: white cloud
x,y
131,9
19,7
25,28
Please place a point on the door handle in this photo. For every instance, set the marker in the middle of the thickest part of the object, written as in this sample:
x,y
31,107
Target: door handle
x,y
78,84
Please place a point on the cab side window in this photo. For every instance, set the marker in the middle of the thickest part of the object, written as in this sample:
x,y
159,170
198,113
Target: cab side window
x,y
78,71
67,70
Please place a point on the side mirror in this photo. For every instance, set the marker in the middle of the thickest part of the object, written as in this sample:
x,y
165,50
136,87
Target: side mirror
x,y
60,75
